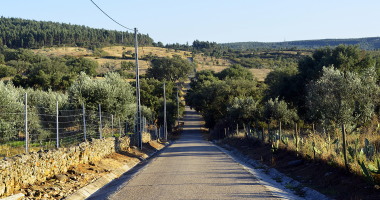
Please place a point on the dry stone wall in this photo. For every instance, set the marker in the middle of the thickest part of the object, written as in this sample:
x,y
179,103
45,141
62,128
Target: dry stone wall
x,y
26,169
146,137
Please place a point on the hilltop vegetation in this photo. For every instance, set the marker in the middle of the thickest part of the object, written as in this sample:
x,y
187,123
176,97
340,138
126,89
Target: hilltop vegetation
x,y
22,33
371,43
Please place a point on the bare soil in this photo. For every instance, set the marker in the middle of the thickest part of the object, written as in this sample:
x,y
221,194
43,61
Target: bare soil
x,y
329,180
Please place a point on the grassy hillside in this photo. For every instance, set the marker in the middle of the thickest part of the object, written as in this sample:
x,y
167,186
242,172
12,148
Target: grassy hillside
x,y
114,58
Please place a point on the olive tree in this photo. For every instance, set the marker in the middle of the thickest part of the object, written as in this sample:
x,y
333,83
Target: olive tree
x,y
244,110
343,98
278,110
112,92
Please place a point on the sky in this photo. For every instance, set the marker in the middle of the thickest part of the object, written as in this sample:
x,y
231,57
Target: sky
x,y
221,21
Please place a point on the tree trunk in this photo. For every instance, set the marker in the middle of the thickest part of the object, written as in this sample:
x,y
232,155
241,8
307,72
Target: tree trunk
x,y
269,129
280,133
314,142
246,133
262,136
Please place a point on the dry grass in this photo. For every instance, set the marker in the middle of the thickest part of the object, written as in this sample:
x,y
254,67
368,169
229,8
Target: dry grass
x,y
204,62
208,63
328,151
143,51
143,65
61,51
260,74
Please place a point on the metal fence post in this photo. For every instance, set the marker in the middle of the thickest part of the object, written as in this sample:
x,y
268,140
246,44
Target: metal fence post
x,y
119,128
100,122
26,123
57,128
112,124
84,122
144,125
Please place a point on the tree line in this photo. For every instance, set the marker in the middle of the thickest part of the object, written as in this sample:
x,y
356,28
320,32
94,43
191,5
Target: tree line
x,y
332,86
370,43
23,33
38,71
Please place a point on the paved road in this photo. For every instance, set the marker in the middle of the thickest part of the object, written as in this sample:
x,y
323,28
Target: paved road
x,y
191,168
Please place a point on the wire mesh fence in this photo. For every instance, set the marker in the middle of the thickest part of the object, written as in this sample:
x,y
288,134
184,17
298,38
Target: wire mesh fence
x,y
12,129
49,128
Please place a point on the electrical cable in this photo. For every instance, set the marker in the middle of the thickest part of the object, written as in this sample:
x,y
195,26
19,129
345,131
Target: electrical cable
x,y
111,17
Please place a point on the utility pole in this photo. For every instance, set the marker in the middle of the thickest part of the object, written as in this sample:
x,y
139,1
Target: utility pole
x,y
139,132
165,129
122,37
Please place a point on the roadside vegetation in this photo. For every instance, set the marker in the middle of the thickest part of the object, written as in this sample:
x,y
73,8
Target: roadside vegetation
x,y
324,109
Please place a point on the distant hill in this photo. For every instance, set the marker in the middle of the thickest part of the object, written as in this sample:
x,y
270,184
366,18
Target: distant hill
x,y
23,33
370,43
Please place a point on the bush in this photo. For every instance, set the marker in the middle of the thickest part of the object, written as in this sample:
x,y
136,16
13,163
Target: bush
x,y
6,71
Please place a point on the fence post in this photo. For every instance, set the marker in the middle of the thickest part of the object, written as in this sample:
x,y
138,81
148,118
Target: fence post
x,y
257,133
100,122
112,124
57,128
84,122
126,127
26,123
120,128
280,133
296,138
344,148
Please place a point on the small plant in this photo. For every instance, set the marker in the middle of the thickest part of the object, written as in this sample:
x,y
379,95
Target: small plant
x,y
289,186
368,150
285,141
274,147
336,141
259,166
277,179
367,175
373,169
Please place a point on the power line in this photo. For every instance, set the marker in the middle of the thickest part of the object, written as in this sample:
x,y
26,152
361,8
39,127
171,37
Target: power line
x,y
111,17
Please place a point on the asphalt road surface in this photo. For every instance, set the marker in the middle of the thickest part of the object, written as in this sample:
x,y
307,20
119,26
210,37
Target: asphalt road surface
x,y
191,168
